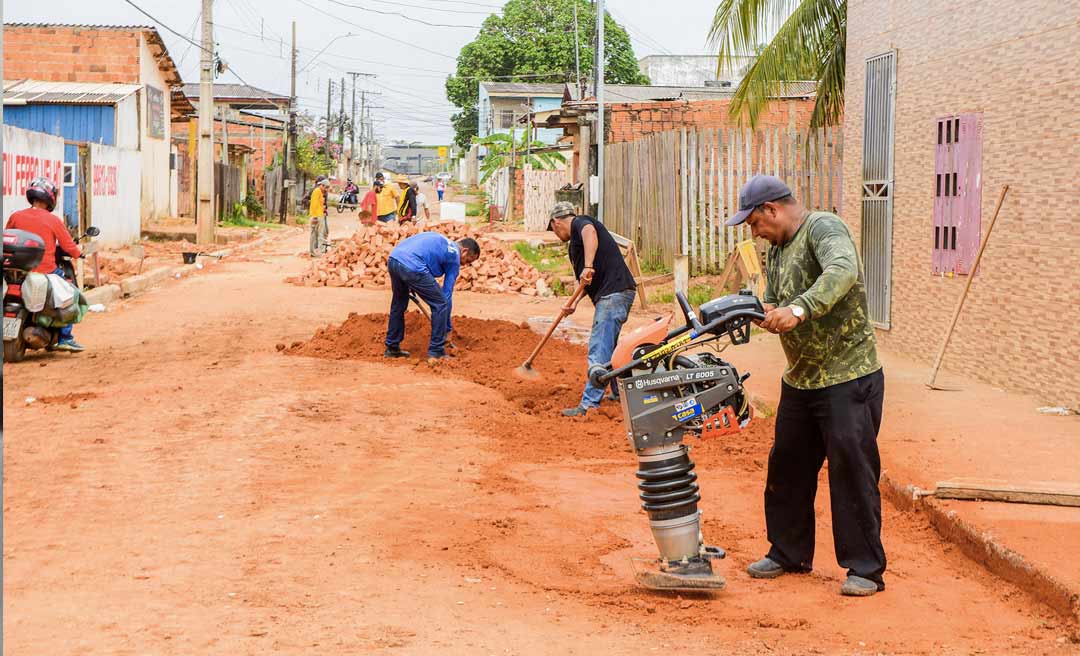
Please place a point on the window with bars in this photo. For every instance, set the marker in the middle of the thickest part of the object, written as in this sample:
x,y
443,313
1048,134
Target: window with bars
x,y
506,118
957,193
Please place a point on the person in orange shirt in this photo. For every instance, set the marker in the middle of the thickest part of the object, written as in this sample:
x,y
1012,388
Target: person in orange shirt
x,y
39,219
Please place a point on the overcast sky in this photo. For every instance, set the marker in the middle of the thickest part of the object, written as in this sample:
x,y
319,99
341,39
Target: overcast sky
x,y
411,61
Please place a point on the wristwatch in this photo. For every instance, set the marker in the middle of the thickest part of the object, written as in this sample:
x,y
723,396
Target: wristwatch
x,y
798,311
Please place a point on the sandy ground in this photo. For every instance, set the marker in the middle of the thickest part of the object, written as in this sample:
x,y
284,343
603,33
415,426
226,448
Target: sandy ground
x,y
185,487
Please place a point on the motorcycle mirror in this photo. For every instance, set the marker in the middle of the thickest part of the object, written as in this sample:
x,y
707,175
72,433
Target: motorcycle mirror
x,y
93,231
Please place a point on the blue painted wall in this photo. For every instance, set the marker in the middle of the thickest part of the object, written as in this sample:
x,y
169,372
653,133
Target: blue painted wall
x,y
92,123
96,123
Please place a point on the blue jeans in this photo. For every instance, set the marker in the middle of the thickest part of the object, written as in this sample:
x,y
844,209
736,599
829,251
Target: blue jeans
x,y
65,332
611,313
440,192
403,279
388,217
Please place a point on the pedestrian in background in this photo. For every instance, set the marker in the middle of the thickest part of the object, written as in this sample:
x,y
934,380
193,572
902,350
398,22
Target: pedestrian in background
x,y
320,227
422,211
369,206
440,187
388,197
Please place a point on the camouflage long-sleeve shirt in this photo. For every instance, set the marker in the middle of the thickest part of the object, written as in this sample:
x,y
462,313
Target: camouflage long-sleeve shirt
x,y
819,270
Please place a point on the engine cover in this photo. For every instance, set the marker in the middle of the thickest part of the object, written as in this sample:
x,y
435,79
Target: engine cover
x,y
660,408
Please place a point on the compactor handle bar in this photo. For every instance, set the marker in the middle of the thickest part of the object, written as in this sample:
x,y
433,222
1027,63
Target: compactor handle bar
x,y
601,375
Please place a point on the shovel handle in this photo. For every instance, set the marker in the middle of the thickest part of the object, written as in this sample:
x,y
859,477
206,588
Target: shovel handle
x,y
554,324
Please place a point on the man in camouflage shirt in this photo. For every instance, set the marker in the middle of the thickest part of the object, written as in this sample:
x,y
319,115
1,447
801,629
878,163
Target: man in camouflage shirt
x,y
832,389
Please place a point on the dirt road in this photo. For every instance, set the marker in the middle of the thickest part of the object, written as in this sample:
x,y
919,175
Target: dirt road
x,y
186,488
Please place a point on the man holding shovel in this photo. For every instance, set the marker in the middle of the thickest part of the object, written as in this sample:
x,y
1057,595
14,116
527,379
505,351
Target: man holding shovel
x,y
599,266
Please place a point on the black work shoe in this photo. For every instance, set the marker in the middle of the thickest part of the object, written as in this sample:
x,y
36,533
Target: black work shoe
x,y
857,586
575,412
611,397
395,352
766,568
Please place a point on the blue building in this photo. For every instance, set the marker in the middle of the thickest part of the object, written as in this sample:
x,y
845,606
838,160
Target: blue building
x,y
502,104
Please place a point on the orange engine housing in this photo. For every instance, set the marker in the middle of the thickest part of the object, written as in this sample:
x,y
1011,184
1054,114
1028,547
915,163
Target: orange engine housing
x,y
652,333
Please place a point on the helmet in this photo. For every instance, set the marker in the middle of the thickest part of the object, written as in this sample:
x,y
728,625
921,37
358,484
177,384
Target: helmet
x,y
349,180
42,189
380,176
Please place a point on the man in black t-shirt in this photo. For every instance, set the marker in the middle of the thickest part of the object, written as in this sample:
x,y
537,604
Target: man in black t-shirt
x,y
599,266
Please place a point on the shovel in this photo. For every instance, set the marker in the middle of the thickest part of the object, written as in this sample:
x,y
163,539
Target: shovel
x,y
526,370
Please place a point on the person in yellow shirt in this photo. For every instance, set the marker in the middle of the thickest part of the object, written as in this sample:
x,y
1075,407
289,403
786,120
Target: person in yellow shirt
x,y
320,228
387,200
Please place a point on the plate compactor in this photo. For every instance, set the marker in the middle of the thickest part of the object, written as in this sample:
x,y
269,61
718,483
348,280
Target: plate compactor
x,y
667,395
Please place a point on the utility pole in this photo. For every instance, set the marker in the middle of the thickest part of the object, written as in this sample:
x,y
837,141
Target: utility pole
x,y
600,111
329,92
290,138
204,217
352,144
341,117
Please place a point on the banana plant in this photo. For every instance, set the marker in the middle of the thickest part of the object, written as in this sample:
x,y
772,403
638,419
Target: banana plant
x,y
504,149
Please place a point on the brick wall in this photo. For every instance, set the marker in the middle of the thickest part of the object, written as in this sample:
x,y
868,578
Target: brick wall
x,y
631,121
1014,62
71,54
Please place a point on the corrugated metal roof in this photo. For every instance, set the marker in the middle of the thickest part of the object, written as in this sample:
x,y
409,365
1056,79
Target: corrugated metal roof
x,y
66,93
238,92
88,26
633,93
524,88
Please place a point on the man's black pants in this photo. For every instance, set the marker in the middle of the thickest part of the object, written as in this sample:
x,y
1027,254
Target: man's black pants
x,y
839,423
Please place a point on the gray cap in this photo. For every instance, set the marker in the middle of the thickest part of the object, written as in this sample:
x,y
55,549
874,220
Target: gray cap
x,y
562,208
761,189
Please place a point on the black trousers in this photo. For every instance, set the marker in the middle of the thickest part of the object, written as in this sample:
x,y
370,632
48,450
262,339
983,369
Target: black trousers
x,y
839,423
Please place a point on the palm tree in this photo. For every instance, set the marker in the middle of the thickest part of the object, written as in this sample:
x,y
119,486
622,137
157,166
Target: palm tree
x,y
504,149
808,45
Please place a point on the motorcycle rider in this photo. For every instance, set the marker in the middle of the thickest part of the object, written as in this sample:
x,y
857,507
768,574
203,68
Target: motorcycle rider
x,y
351,190
39,219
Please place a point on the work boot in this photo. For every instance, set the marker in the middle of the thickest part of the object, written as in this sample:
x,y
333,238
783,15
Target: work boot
x,y
575,412
611,396
432,359
766,568
70,346
857,586
395,352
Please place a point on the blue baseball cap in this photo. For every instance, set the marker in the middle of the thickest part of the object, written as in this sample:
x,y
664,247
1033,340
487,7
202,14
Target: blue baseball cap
x,y
761,189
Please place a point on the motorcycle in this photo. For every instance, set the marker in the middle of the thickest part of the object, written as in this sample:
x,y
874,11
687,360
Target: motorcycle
x,y
23,251
347,200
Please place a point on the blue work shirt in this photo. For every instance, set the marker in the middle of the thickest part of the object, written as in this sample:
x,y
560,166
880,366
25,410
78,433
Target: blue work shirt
x,y
431,252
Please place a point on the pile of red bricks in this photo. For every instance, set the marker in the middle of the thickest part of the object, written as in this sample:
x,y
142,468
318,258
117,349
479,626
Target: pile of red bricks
x,y
360,261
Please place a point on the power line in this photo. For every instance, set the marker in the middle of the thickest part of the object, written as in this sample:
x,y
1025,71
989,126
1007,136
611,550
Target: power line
x,y
398,13
365,29
182,36
454,10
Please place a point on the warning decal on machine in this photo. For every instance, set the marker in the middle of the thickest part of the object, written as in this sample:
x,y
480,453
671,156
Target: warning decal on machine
x,y
687,409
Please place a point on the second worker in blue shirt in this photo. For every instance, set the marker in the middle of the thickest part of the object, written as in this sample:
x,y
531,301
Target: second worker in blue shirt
x,y
414,265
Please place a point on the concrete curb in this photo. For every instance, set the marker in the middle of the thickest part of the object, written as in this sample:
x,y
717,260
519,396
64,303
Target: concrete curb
x,y
980,546
104,294
145,281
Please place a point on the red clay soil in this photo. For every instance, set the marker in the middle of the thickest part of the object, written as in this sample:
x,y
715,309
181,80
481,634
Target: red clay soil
x,y
564,537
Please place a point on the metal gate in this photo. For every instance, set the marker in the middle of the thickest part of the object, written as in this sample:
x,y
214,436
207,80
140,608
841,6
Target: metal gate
x,y
877,184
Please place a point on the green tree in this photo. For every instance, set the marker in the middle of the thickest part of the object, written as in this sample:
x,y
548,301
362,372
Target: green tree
x,y
533,41
808,44
504,149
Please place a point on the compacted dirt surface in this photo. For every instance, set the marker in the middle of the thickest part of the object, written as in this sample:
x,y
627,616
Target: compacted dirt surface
x,y
234,469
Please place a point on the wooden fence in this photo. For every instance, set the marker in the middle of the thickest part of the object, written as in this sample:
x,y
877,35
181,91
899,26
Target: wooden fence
x,y
671,192
640,194
272,179
228,188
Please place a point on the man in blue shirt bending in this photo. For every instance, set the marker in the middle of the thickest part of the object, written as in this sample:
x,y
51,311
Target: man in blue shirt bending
x,y
414,265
